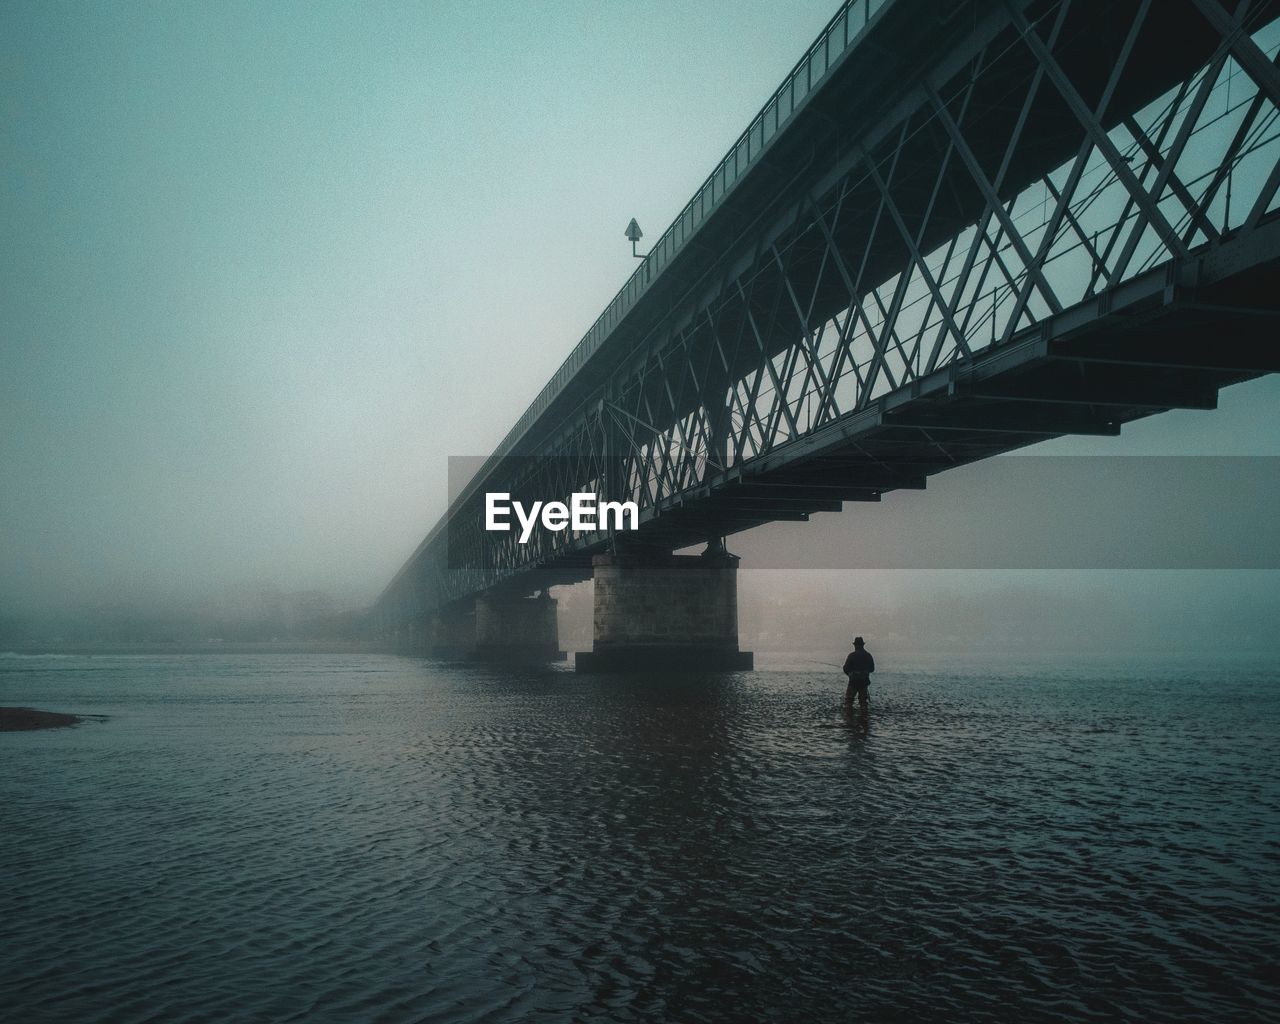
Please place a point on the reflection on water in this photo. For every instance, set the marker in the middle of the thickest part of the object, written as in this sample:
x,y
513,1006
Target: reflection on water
x,y
352,838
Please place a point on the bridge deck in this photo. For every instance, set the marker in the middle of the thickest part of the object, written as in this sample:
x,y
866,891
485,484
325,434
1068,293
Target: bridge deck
x,y
1169,340
969,230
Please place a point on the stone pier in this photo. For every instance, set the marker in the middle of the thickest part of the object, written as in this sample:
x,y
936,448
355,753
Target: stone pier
x,y
511,627
401,637
655,611
497,626
451,631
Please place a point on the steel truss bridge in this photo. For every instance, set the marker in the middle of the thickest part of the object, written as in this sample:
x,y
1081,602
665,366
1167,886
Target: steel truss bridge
x,y
954,230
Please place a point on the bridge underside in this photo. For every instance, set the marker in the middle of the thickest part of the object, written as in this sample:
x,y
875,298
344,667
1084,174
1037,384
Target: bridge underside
x,y
977,231
1151,346
1170,339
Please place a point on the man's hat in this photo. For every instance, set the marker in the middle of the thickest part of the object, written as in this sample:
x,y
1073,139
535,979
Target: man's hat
x,y
858,641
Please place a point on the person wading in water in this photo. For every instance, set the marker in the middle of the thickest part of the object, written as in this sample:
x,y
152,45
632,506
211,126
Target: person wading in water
x,y
858,667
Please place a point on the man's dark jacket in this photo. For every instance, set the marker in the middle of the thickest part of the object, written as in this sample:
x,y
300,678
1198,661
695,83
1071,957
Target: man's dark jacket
x,y
859,663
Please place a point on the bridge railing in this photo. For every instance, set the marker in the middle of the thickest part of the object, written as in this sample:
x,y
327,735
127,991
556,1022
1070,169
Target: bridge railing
x,y
1209,175
840,34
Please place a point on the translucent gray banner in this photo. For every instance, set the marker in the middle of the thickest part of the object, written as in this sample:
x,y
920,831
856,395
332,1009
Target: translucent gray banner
x,y
1035,512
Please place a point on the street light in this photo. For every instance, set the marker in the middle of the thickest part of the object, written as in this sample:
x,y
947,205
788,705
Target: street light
x,y
634,234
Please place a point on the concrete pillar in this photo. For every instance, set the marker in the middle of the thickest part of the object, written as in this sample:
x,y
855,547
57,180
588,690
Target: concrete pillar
x,y
410,636
451,631
663,612
510,627
398,637
489,627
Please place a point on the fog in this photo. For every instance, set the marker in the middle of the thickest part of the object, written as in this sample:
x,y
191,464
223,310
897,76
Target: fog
x,y
264,268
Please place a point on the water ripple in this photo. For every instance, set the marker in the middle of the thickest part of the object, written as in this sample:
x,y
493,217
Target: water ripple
x,y
378,839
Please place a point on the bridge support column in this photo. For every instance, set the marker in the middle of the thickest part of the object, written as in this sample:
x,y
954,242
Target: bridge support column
x,y
451,631
510,627
656,611
406,637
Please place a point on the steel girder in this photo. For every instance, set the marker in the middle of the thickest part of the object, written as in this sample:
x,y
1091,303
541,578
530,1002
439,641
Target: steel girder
x,y
1020,189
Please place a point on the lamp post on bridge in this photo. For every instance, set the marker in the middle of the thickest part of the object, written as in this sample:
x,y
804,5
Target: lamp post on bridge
x,y
634,234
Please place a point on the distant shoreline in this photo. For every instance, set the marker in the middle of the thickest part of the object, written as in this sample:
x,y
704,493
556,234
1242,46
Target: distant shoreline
x,y
200,647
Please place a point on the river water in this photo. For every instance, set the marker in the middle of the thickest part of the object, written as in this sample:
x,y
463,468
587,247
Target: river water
x,y
372,838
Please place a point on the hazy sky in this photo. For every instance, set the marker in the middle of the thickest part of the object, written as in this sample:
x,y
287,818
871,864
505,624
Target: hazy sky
x,y
263,267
